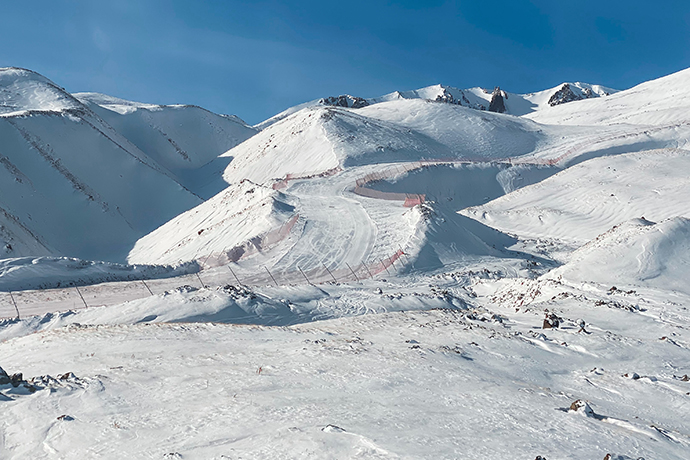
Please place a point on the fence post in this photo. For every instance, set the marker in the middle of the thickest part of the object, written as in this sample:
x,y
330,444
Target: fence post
x,y
82,297
233,274
367,269
303,274
403,253
14,302
392,262
269,274
353,272
147,287
384,266
202,283
329,272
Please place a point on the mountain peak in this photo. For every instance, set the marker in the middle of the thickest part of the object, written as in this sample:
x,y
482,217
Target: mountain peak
x,y
23,90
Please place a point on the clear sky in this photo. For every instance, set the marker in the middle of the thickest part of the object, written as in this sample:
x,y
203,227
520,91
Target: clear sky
x,y
256,58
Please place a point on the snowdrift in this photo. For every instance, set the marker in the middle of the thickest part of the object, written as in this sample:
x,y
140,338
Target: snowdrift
x,y
635,253
52,272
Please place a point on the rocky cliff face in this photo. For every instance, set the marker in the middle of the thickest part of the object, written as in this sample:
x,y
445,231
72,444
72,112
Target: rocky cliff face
x,y
497,103
344,100
566,94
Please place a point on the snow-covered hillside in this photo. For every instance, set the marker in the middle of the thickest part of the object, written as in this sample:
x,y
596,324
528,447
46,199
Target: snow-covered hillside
x,y
412,276
664,101
494,100
181,138
588,199
70,184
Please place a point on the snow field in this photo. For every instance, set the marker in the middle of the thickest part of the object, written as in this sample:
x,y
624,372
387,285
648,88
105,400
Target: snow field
x,y
444,351
485,381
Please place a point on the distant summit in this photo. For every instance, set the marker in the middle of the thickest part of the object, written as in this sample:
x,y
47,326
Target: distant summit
x,y
496,100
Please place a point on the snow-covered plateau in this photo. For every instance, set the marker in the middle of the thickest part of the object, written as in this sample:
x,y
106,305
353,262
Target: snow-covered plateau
x,y
429,274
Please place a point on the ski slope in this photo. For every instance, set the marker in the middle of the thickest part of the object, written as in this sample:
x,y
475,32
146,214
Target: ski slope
x,y
528,300
587,199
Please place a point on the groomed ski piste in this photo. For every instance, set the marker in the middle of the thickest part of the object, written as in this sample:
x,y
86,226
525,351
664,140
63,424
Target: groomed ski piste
x,y
409,279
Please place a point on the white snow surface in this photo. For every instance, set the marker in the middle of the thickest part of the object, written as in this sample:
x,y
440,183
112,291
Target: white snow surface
x,y
664,101
635,253
475,98
50,272
181,138
508,311
237,215
587,199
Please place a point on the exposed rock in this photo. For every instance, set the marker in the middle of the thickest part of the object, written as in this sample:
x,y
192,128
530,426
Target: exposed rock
x,y
332,429
4,378
446,97
566,94
497,103
551,320
17,379
582,407
345,100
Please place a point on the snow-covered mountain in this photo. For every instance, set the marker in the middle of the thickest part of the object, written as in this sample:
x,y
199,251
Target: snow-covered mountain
x,y
664,101
447,281
498,100
72,185
493,100
181,138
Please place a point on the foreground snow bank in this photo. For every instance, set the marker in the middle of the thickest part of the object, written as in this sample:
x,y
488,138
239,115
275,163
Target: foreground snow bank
x,y
423,385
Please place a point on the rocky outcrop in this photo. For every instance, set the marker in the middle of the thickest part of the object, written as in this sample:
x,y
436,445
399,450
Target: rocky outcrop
x,y
497,103
566,94
345,100
448,98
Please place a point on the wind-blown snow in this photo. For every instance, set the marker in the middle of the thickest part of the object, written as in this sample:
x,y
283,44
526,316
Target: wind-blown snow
x,y
635,253
237,215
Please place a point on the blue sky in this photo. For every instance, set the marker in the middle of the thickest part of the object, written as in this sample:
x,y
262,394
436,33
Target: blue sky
x,y
256,58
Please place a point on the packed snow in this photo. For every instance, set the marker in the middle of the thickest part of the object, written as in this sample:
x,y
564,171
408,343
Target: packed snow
x,y
411,276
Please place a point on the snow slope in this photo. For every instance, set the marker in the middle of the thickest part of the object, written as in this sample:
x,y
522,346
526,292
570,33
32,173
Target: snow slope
x,y
474,381
664,101
318,139
587,199
441,352
69,184
181,138
233,217
635,253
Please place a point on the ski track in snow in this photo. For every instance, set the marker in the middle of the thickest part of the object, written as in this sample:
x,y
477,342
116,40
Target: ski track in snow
x,y
453,361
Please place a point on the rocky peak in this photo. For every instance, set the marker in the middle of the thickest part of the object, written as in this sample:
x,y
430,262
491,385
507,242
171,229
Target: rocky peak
x,y
497,103
567,94
344,100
